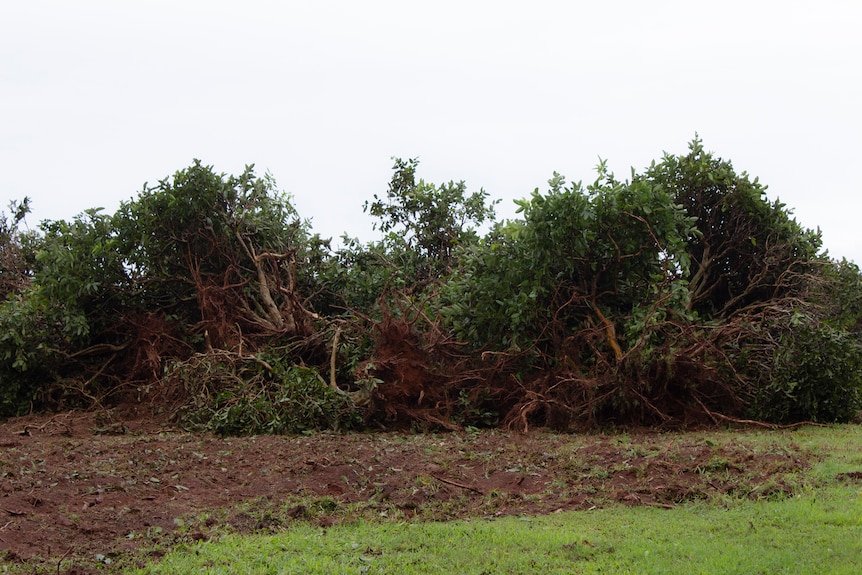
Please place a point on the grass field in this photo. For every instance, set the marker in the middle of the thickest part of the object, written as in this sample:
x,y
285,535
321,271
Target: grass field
x,y
815,529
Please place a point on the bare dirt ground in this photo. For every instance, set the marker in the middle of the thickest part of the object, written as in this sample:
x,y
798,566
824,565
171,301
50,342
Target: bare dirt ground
x,y
81,492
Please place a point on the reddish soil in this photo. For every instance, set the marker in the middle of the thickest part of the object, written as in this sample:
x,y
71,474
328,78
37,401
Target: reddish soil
x,y
79,493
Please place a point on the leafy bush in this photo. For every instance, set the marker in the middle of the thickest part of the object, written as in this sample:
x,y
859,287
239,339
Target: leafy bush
x,y
201,260
580,262
428,221
623,301
815,375
26,359
225,253
744,249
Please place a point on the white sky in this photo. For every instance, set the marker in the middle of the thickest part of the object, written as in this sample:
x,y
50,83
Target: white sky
x,y
97,97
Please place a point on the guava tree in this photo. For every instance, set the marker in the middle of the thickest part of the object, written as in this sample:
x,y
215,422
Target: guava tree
x,y
684,292
565,302
784,319
747,249
222,252
199,261
578,264
424,224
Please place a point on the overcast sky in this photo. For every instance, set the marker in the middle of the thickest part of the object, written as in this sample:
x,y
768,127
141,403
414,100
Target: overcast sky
x,y
98,97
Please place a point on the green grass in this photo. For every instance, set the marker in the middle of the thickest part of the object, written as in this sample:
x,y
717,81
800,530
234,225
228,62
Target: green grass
x,y
816,530
820,534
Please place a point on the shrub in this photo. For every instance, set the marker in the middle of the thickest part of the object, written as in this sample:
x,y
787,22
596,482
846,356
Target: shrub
x,y
807,371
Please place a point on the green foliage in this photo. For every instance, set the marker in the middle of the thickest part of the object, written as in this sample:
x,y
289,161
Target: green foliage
x,y
836,290
23,326
636,268
425,224
476,410
202,241
190,216
26,357
745,249
681,289
803,370
15,255
788,314
820,372
200,260
800,358
426,227
579,259
81,276
356,276
246,396
72,301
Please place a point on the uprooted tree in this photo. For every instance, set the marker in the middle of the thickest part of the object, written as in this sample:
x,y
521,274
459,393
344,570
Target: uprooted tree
x,y
200,264
681,295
